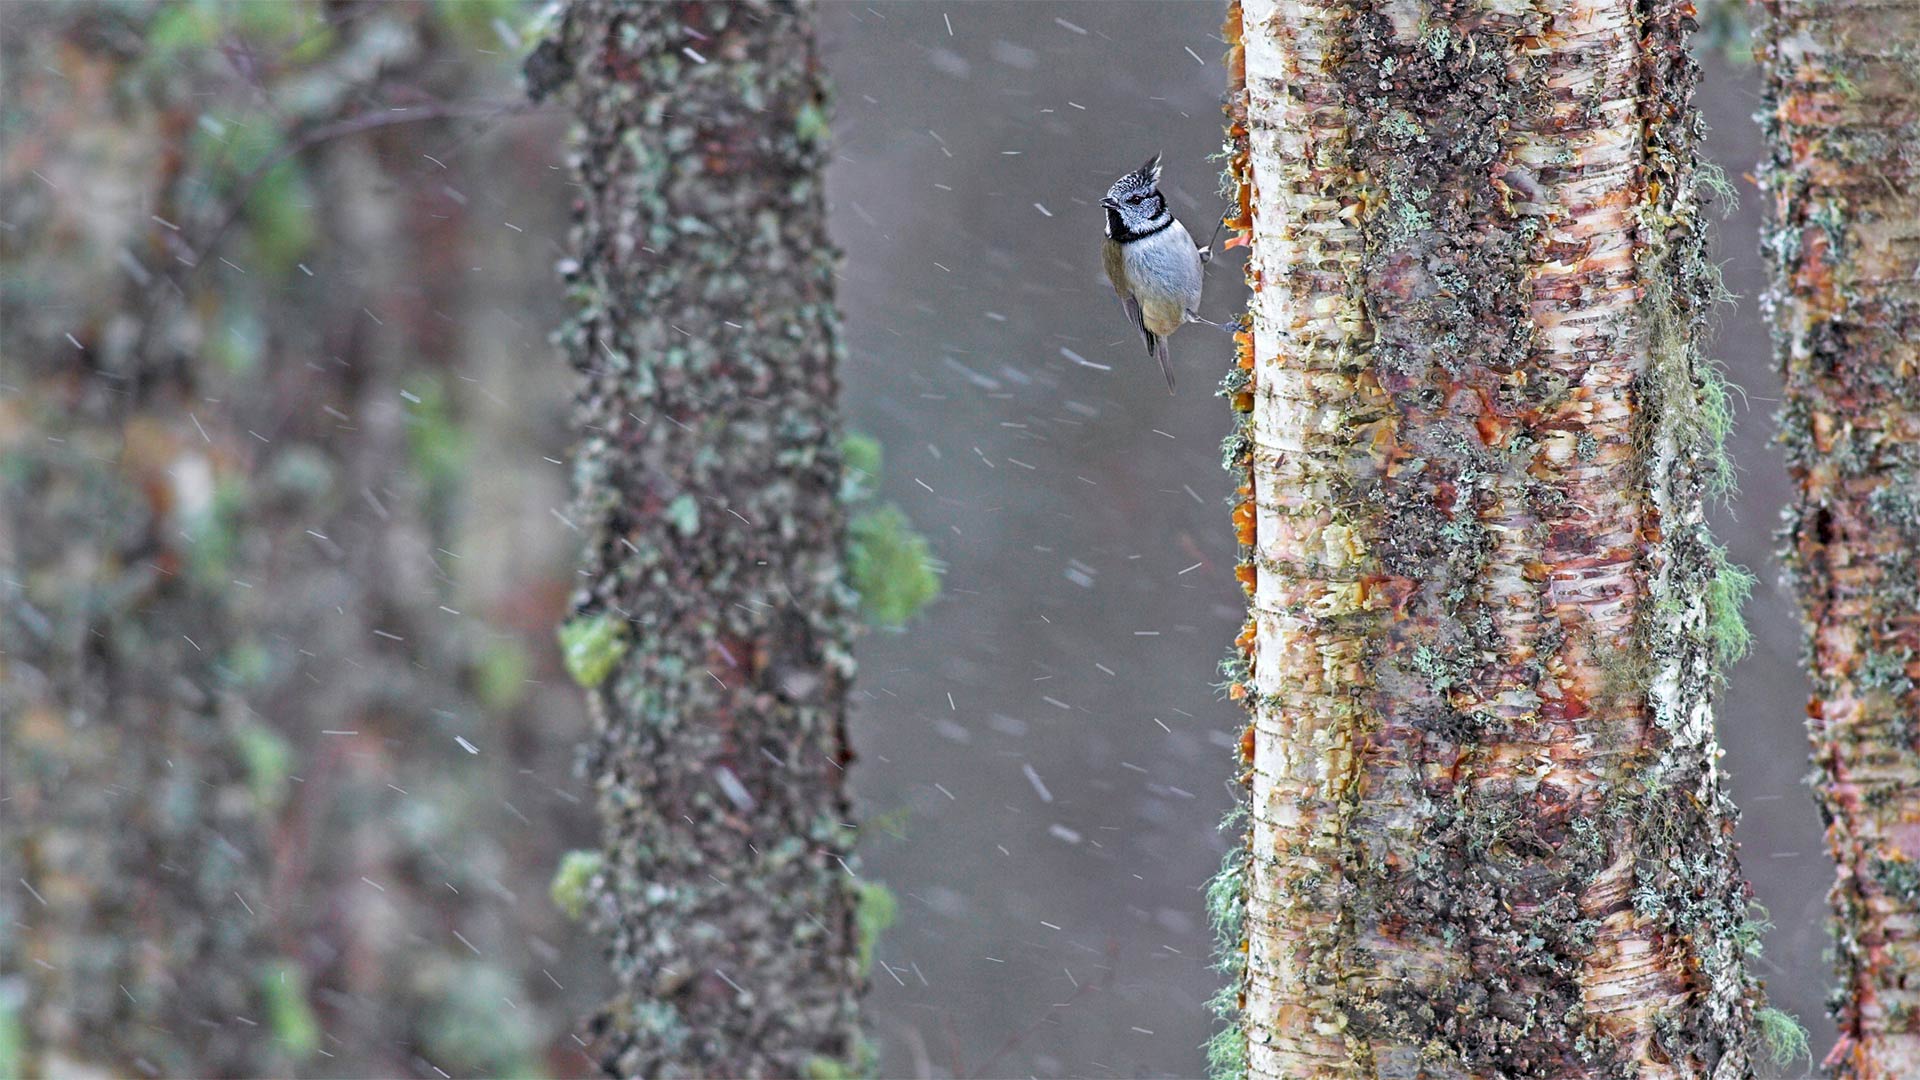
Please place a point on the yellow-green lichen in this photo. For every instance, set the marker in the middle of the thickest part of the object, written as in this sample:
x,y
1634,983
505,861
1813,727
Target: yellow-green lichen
x,y
592,646
875,909
572,880
289,1016
890,566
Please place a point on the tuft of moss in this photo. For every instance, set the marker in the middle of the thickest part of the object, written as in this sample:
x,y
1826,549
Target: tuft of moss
x,y
860,457
1227,912
466,1029
437,446
1727,592
1782,1036
890,566
865,1063
592,646
1227,1048
572,879
810,124
284,985
875,909
268,759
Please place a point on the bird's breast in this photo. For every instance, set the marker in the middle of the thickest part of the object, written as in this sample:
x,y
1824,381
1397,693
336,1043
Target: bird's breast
x,y
1164,268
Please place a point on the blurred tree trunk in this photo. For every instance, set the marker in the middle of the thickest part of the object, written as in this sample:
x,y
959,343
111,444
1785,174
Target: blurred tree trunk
x,y
1843,122
713,627
238,479
1489,837
137,938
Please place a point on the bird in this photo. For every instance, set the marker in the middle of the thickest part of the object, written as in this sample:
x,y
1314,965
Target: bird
x,y
1153,263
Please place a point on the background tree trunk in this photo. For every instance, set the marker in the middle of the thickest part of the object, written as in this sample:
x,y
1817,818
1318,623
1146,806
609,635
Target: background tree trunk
x,y
713,628
1489,836
260,780
139,931
1843,176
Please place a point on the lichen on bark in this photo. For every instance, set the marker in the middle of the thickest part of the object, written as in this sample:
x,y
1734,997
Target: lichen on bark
x,y
137,938
707,475
1842,177
1489,835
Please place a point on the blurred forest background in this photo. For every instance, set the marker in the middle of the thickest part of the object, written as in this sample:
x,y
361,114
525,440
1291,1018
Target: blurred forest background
x,y
274,365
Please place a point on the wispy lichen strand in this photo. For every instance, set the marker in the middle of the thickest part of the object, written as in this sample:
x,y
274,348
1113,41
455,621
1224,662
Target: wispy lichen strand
x,y
1489,836
1843,239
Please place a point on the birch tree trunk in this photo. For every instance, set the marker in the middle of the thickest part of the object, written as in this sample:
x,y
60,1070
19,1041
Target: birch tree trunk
x,y
1843,123
1489,837
713,628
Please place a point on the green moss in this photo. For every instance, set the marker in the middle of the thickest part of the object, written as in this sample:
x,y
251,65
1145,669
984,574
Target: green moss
x,y
268,759
436,441
473,20
500,675
860,457
811,124
1782,1036
280,217
181,28
1727,592
865,1063
890,566
592,646
1226,901
1227,1048
227,154
291,1018
875,909
893,823
469,1028
572,879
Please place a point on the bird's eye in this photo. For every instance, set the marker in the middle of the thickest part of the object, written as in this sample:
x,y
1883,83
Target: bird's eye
x,y
1136,198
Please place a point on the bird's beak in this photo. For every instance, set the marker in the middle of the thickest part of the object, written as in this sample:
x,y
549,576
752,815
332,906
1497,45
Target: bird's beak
x,y
1110,203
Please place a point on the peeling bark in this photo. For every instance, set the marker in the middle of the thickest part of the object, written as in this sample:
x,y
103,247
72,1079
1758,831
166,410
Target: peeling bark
x,y
1489,837
1843,240
713,628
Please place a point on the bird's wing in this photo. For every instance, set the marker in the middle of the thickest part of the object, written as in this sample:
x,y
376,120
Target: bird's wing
x,y
1139,319
1117,277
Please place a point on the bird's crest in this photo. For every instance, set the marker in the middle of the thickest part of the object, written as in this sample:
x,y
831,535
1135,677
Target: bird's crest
x,y
1145,178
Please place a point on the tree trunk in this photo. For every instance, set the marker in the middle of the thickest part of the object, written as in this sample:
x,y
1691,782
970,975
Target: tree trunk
x,y
1489,837
137,936
1843,123
713,628
230,693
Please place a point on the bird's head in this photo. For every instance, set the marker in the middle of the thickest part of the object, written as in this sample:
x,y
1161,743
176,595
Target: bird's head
x,y
1134,203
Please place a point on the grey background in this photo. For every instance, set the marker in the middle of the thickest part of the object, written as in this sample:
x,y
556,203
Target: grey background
x,y
1047,734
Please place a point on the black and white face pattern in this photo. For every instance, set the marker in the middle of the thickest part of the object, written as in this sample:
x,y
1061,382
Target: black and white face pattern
x,y
1134,205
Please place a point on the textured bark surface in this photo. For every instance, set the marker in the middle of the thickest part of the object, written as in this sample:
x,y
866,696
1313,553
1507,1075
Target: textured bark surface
x,y
240,834
137,937
1489,837
1843,177
713,624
